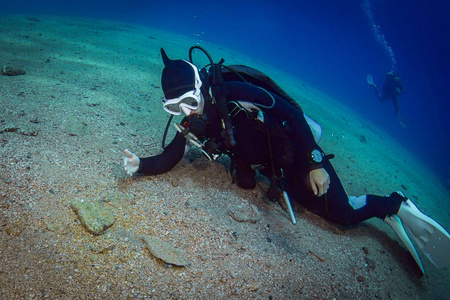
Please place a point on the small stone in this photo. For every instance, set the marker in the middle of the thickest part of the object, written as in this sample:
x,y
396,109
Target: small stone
x,y
253,288
245,213
13,229
361,278
75,128
96,218
10,71
50,227
165,251
370,263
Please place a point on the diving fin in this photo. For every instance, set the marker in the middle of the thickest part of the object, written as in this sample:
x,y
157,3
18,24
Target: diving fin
x,y
428,234
370,80
396,224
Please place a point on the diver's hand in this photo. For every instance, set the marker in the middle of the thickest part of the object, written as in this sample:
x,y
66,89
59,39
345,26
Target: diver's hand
x,y
320,181
130,162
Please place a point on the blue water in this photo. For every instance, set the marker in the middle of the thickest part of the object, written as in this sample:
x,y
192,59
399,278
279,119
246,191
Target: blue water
x,y
331,45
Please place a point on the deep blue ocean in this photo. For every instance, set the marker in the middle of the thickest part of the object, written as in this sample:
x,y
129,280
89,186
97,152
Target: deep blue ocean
x,y
329,44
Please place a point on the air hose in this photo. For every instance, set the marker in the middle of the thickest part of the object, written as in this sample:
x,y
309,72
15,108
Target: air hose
x,y
227,129
217,80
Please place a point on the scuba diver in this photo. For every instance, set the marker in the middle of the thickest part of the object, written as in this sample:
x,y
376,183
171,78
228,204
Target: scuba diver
x,y
240,112
392,87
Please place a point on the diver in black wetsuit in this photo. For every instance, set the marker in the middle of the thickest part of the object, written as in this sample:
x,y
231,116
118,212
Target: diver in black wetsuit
x,y
392,87
271,135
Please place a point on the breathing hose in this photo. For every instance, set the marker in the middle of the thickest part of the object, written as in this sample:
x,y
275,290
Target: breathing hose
x,y
217,80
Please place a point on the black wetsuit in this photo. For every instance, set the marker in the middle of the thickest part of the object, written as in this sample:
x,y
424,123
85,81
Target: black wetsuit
x,y
286,137
392,87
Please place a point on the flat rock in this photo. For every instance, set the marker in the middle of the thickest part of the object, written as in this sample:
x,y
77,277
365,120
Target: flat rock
x,y
13,229
245,213
10,71
75,128
94,216
165,251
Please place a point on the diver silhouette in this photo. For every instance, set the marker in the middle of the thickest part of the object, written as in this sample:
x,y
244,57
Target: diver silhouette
x,y
392,87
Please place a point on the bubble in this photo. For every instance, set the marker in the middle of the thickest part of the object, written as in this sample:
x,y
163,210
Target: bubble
x,y
379,35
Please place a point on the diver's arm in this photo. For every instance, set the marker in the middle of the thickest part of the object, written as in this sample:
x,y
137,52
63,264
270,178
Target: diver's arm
x,y
157,164
165,161
396,108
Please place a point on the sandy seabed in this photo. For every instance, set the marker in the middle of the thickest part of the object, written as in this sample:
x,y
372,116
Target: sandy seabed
x,y
92,89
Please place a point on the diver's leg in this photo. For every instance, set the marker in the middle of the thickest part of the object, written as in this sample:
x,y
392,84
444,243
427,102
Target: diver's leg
x,y
336,206
352,210
402,120
396,210
396,108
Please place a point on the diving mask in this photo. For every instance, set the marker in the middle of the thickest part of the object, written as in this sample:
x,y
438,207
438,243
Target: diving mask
x,y
187,102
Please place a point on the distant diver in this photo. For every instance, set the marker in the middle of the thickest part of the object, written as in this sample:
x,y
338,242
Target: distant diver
x,y
242,113
392,87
